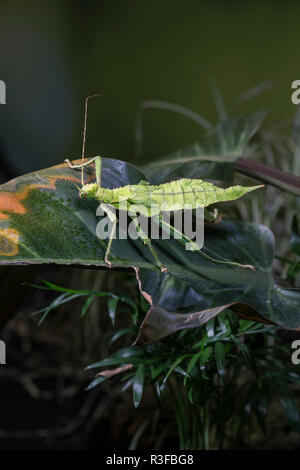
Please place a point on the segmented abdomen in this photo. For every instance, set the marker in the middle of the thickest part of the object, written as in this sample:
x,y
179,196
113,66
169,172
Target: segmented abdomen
x,y
181,194
185,193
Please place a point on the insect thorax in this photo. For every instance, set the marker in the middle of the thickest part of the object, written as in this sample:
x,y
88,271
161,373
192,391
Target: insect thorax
x,y
94,191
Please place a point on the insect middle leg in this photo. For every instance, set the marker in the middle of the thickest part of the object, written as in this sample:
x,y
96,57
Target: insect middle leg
x,y
113,218
148,243
194,247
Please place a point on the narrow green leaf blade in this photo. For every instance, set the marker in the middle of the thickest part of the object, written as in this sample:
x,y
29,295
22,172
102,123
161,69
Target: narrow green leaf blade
x,y
220,358
112,309
138,385
86,305
96,382
250,361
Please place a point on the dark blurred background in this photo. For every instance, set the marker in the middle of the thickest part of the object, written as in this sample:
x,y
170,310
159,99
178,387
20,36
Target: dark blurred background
x,y
52,55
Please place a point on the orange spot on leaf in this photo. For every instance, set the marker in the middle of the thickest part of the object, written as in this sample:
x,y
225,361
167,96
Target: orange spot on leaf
x,y
11,201
9,239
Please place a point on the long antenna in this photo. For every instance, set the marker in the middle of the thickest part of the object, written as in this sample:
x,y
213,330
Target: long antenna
x,y
84,133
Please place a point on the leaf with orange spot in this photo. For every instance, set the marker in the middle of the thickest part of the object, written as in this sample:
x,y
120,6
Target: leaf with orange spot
x,y
43,220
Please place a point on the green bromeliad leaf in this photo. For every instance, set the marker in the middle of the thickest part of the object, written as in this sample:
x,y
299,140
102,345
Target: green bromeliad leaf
x,y
43,220
212,157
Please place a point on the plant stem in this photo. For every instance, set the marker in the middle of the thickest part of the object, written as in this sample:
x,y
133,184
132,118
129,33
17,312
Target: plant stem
x,y
278,178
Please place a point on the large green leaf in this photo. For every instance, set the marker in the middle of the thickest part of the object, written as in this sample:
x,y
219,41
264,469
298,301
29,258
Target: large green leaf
x,y
212,156
198,290
43,220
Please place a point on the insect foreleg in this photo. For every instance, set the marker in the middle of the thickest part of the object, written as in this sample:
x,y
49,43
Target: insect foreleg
x,y
80,165
109,210
98,162
193,246
147,242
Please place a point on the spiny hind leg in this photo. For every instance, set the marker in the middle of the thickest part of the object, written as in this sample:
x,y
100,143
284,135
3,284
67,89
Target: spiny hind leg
x,y
228,263
194,247
148,243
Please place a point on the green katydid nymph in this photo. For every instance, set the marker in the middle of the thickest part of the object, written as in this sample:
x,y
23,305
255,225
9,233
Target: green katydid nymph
x,y
153,200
